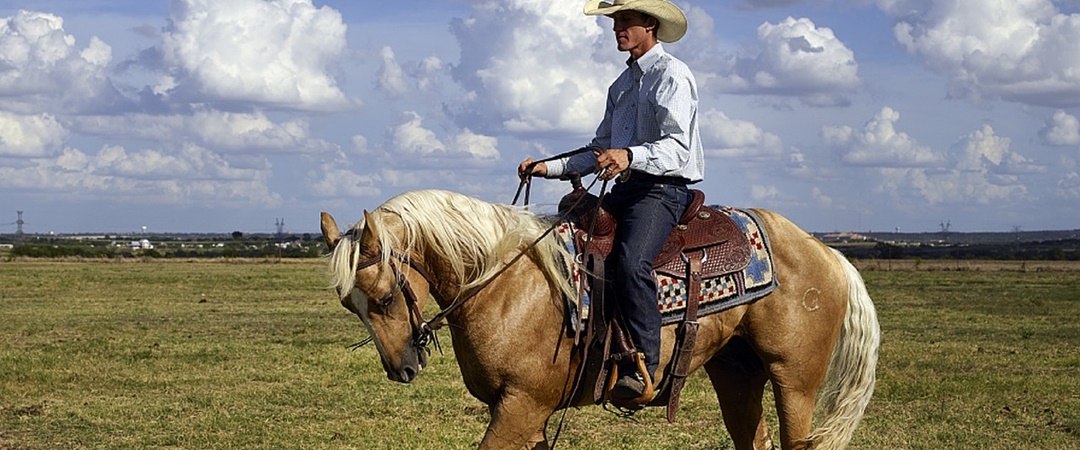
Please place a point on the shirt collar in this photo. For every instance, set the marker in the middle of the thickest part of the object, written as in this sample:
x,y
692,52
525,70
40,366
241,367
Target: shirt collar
x,y
649,59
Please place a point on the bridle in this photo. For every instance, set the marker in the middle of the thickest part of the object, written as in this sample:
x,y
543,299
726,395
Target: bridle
x,y
423,332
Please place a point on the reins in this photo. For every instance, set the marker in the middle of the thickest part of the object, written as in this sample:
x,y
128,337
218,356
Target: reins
x,y
528,172
437,321
425,331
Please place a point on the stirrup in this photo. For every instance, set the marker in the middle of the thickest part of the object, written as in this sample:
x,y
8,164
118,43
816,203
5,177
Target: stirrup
x,y
647,393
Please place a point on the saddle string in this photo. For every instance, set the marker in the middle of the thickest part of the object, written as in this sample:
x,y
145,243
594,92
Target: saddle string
x,y
578,377
576,182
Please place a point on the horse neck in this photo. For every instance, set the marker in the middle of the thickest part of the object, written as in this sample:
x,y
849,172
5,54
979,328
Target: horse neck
x,y
442,282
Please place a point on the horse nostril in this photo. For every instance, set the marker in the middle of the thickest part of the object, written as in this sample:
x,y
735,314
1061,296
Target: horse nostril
x,y
408,374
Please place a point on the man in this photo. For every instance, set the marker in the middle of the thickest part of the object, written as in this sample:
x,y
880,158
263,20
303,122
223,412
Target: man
x,y
649,143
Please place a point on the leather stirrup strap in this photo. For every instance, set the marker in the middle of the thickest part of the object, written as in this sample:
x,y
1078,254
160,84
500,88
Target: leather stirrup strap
x,y
686,336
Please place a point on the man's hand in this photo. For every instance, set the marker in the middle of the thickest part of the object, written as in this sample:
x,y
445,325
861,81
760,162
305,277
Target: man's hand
x,y
538,169
611,162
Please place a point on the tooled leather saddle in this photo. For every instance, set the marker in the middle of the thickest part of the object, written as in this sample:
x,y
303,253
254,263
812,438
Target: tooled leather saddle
x,y
704,243
700,229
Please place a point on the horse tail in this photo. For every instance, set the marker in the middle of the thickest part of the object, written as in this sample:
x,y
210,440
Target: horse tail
x,y
851,377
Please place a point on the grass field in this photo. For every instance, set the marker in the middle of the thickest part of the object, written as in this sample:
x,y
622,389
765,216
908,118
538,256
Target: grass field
x,y
252,354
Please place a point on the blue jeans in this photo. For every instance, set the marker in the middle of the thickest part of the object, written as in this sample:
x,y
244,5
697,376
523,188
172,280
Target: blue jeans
x,y
646,213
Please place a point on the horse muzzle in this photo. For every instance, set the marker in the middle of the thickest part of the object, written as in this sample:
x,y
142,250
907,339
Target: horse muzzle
x,y
411,361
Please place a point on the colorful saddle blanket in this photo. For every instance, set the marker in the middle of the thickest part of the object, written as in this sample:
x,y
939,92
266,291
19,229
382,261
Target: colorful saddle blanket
x,y
718,293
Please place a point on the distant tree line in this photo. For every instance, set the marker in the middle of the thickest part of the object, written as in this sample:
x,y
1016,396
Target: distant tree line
x,y
1029,251
237,248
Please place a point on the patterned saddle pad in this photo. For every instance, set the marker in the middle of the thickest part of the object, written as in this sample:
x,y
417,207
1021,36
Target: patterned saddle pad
x,y
718,293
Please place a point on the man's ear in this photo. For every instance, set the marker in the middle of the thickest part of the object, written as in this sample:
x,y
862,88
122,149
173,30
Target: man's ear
x,y
652,24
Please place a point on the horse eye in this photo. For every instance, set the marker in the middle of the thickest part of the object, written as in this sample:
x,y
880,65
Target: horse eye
x,y
386,300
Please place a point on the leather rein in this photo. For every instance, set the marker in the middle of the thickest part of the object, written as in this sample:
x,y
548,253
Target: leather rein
x,y
424,330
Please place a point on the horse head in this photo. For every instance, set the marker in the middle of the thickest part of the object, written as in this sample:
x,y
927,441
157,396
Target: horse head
x,y
381,294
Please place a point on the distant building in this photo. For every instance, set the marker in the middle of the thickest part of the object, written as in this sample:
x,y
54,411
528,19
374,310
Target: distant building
x,y
845,237
143,244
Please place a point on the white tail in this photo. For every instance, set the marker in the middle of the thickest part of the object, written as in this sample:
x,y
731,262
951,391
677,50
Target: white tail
x,y
850,382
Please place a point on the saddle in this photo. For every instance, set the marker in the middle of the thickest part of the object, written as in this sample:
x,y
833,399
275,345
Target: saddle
x,y
704,243
711,234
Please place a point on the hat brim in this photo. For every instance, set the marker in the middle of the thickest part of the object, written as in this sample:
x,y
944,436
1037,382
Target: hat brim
x,y
671,18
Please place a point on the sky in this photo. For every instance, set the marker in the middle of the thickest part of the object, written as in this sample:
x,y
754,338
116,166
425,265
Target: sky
x,y
221,116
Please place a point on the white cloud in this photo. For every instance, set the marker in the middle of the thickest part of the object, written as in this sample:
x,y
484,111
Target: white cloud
x,y
732,138
479,146
1069,187
30,136
270,52
533,67
1019,50
412,138
985,150
820,198
359,144
235,132
795,58
333,181
981,174
426,72
1062,129
391,79
879,144
193,175
764,4
252,132
761,193
41,68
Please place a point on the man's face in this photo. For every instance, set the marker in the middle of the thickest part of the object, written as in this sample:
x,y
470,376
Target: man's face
x,y
631,30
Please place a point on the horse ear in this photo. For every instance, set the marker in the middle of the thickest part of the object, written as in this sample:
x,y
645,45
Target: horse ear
x,y
330,231
370,237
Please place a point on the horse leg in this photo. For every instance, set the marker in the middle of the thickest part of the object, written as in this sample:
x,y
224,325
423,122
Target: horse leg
x,y
538,441
739,381
515,421
795,409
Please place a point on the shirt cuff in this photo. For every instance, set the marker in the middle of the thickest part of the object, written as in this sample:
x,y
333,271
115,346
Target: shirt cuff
x,y
555,168
639,157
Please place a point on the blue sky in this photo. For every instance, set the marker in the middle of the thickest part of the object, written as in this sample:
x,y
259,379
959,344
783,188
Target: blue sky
x,y
211,116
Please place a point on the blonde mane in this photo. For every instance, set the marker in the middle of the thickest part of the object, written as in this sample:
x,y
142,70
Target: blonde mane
x,y
473,238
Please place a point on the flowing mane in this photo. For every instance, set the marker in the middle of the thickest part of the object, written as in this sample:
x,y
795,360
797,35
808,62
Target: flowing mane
x,y
472,237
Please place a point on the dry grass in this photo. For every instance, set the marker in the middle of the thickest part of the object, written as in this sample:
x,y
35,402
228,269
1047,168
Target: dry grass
x,y
961,265
252,354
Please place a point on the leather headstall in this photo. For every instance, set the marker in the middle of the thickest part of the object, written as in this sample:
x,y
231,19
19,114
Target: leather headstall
x,y
423,332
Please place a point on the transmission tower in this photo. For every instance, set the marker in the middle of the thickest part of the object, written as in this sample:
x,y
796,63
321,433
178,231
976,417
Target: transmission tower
x,y
19,228
280,224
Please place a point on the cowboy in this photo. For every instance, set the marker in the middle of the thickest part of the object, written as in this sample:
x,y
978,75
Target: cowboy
x,y
648,141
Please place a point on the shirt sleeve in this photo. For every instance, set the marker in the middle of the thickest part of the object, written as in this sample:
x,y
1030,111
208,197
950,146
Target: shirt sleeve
x,y
581,164
675,110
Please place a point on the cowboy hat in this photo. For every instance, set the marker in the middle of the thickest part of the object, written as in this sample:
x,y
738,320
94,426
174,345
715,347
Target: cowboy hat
x,y
671,18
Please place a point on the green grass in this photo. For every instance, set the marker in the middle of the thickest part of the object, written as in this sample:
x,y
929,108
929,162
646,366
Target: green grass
x,y
253,355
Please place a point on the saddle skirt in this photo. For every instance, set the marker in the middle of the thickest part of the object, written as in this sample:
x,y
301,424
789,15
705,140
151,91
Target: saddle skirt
x,y
737,266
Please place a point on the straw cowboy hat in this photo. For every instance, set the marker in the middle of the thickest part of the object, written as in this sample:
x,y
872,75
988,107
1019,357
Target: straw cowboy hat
x,y
671,18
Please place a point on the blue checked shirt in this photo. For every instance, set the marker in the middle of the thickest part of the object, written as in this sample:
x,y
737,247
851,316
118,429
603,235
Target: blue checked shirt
x,y
652,109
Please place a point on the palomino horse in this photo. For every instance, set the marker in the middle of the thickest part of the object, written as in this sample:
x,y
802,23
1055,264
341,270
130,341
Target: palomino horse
x,y
817,333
